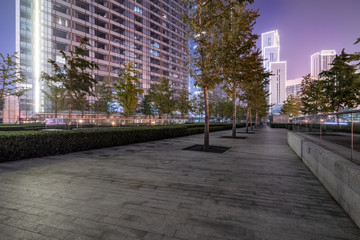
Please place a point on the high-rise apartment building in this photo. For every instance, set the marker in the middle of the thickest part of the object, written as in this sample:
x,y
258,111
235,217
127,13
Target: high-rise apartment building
x,y
293,87
321,61
149,33
270,43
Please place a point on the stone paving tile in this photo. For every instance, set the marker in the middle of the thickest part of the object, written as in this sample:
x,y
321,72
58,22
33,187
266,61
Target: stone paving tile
x,y
258,189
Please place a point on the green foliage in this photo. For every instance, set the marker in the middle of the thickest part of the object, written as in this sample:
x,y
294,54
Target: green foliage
x,y
162,97
81,103
104,96
55,95
282,125
10,76
224,108
198,104
75,75
312,96
146,106
20,145
341,84
20,127
127,91
292,106
183,103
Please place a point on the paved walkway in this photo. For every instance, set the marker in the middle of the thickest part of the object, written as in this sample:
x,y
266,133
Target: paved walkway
x,y
258,189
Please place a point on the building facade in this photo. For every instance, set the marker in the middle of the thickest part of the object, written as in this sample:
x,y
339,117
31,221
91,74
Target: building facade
x,y
321,61
293,87
149,33
270,43
277,86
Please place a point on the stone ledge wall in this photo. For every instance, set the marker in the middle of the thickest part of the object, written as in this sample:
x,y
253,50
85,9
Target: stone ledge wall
x,y
340,176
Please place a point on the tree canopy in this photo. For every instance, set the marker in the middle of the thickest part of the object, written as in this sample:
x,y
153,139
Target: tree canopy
x,y
75,75
162,97
127,90
292,106
10,76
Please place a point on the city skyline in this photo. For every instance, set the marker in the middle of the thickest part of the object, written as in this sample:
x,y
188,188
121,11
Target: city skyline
x,y
307,27
301,35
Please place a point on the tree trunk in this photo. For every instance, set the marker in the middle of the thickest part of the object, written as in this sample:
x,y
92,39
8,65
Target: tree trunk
x,y
70,106
19,109
247,119
207,129
251,121
56,109
234,115
256,119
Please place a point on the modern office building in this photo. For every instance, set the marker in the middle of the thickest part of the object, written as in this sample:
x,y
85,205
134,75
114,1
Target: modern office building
x,y
293,87
149,33
321,61
270,43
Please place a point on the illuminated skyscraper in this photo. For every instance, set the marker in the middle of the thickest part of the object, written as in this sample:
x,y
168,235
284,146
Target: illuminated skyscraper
x,y
321,61
270,42
149,33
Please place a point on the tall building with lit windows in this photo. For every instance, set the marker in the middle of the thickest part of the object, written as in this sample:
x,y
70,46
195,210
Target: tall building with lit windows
x,y
149,33
293,87
321,61
270,43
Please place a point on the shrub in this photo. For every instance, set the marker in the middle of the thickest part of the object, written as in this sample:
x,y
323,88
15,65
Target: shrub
x,y
31,144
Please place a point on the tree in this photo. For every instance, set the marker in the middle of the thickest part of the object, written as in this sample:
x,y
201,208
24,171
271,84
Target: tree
x,y
355,57
20,91
238,42
203,20
162,97
341,84
127,92
10,76
104,97
55,94
183,103
198,104
75,75
146,106
81,103
224,108
312,96
254,85
292,106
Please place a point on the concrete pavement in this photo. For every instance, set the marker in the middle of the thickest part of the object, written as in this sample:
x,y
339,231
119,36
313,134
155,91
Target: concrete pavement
x,y
258,189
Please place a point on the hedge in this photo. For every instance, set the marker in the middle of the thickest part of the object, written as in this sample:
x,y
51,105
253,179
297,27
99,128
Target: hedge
x,y
21,127
32,144
280,125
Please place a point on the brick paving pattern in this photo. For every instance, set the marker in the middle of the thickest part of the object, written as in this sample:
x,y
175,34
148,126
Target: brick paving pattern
x,y
258,189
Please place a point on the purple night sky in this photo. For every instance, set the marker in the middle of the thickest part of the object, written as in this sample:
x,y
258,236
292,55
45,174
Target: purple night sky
x,y
305,27
309,26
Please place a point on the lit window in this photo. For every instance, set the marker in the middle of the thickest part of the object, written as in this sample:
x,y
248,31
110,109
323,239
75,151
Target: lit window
x,y
138,65
137,37
154,44
153,52
138,10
